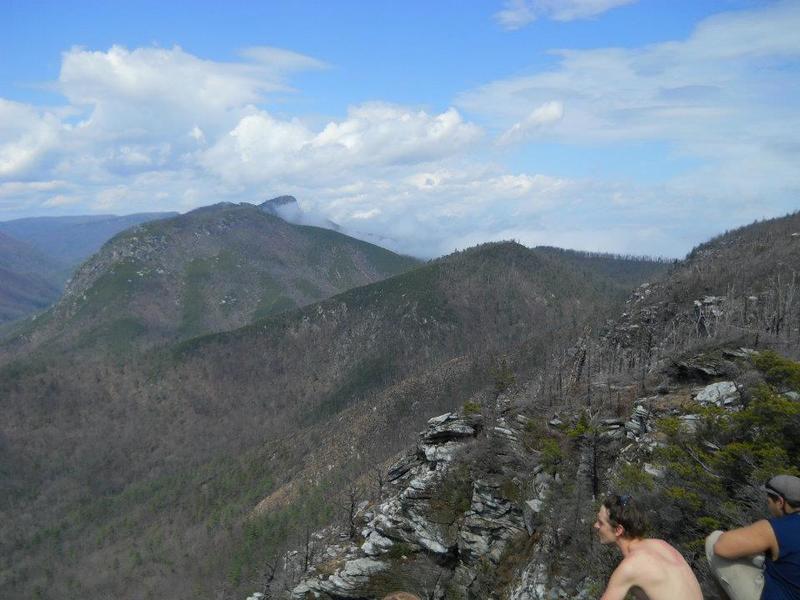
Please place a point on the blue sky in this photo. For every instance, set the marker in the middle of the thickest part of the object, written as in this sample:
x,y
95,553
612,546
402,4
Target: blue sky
x,y
617,125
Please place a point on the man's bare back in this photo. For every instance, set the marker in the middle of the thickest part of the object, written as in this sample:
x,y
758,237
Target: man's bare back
x,y
651,569
654,570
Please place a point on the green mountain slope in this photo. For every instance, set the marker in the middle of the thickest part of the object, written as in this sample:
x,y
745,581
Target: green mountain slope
x,y
161,457
212,269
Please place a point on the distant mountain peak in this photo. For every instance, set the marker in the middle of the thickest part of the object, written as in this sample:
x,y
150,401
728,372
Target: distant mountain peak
x,y
287,208
272,205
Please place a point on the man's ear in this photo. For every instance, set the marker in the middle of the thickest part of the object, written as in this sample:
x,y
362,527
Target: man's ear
x,y
619,531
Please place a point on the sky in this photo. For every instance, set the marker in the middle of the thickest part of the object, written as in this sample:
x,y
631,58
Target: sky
x,y
628,126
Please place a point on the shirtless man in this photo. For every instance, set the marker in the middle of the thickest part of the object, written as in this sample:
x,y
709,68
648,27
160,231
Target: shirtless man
x,y
651,569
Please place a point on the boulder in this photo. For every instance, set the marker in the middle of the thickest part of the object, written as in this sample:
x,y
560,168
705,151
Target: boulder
x,y
450,426
375,543
440,453
345,583
634,427
720,393
690,422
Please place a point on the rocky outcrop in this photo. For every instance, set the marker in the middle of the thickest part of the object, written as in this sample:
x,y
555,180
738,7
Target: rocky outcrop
x,y
406,519
425,516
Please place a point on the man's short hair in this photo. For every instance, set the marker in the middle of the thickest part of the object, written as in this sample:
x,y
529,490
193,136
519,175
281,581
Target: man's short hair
x,y
623,510
401,596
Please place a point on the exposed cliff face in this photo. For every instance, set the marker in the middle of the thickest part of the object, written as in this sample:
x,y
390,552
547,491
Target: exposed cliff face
x,y
441,518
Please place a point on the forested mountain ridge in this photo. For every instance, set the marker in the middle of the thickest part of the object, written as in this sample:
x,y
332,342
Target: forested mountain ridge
x,y
29,280
744,282
215,424
73,239
214,268
54,247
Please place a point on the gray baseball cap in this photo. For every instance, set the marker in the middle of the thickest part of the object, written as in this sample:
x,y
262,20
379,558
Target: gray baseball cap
x,y
785,486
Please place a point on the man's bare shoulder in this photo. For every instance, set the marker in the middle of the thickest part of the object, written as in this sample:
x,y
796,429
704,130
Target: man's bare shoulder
x,y
633,566
660,550
662,572
651,560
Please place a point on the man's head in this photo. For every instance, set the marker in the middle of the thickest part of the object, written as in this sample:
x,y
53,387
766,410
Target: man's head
x,y
619,517
783,494
401,596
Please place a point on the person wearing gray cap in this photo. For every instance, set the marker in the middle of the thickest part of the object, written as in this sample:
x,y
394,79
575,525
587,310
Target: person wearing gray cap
x,y
762,560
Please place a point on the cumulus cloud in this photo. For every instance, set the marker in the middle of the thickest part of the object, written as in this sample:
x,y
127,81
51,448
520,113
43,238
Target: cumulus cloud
x,y
26,134
262,147
171,77
518,13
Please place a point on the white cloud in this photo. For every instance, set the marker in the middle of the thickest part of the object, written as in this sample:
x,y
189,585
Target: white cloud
x,y
161,129
374,135
280,60
728,95
60,200
22,188
169,77
26,134
197,135
518,13
547,113
429,213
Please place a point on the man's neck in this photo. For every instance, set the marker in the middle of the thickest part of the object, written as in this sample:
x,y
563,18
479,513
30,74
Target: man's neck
x,y
626,545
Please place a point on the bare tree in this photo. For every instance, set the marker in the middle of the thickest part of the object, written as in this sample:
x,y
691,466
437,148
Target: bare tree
x,y
308,550
268,575
352,494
